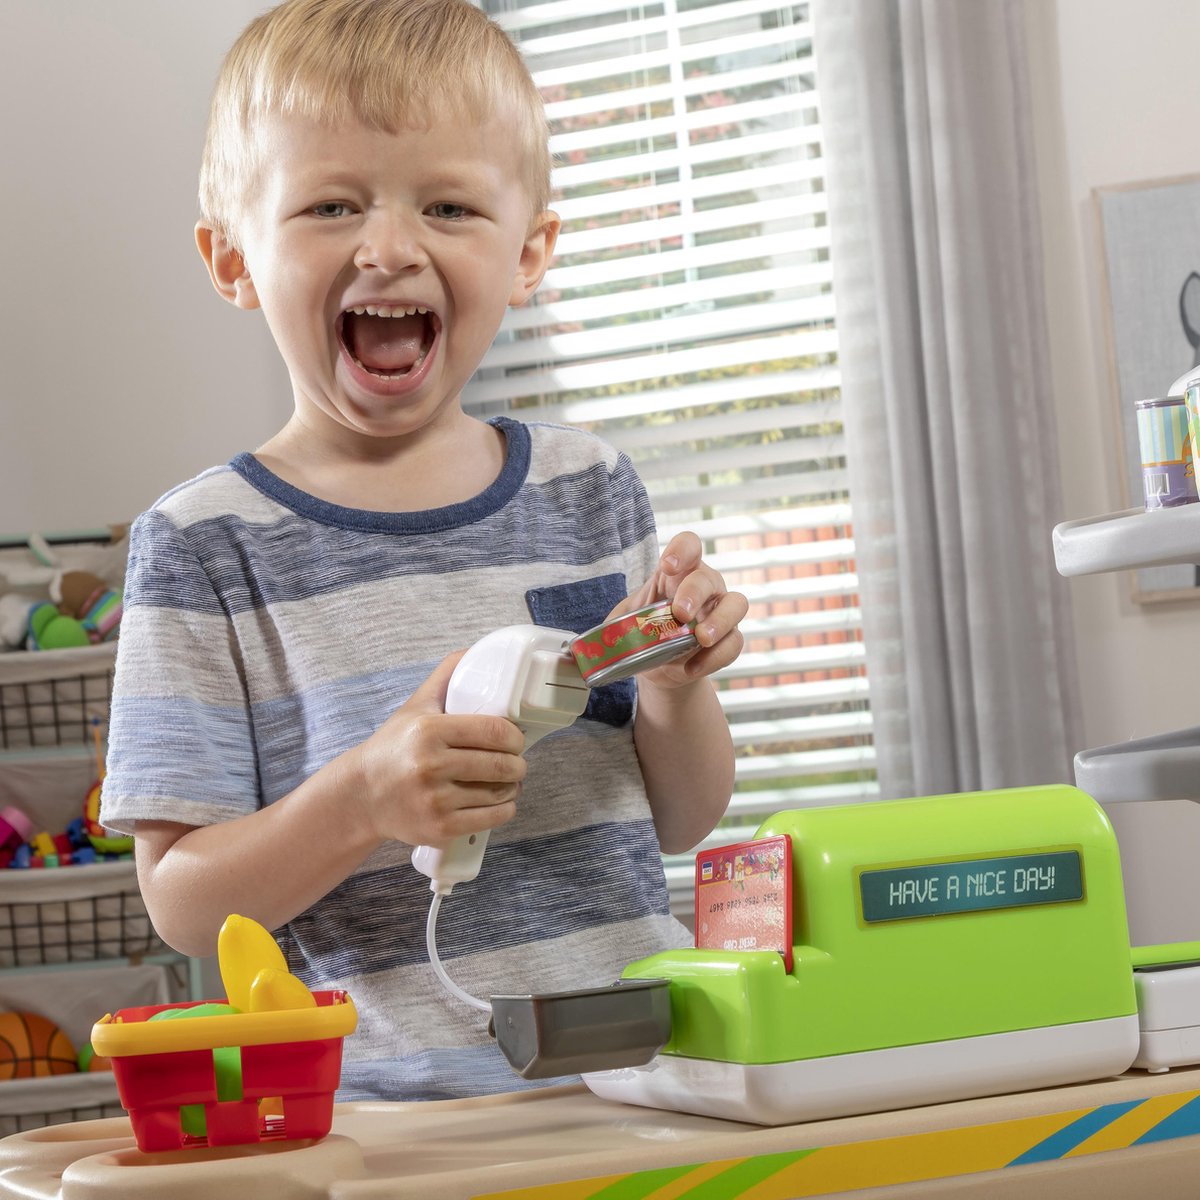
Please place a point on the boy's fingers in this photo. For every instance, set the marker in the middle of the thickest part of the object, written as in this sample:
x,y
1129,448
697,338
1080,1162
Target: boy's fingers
x,y
682,554
700,594
721,617
483,795
472,733
711,658
470,766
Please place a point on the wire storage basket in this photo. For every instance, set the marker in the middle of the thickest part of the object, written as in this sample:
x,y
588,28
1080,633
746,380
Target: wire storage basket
x,y
66,914
55,697
74,914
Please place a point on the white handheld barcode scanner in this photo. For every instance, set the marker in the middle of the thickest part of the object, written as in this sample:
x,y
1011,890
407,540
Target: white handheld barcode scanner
x,y
527,674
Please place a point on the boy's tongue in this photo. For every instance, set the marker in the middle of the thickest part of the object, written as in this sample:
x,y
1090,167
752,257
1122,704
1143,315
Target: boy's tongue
x,y
385,344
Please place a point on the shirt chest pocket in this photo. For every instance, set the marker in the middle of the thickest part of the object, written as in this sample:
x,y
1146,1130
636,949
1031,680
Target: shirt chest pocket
x,y
581,606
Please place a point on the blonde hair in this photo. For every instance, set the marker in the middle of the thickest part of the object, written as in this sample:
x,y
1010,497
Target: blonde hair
x,y
389,64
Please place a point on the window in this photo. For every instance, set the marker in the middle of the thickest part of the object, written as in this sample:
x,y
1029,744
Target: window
x,y
689,320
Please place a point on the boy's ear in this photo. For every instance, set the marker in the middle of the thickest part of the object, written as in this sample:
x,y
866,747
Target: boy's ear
x,y
535,257
226,267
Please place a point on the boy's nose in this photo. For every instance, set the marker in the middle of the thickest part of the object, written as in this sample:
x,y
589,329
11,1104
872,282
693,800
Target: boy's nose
x,y
389,245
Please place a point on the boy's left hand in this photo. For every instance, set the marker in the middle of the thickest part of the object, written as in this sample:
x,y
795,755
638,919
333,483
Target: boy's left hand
x,y
698,593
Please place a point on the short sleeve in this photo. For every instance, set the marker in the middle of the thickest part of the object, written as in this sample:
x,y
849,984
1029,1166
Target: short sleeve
x,y
180,740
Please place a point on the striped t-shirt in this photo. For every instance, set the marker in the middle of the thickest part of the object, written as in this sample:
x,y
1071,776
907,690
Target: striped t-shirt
x,y
266,631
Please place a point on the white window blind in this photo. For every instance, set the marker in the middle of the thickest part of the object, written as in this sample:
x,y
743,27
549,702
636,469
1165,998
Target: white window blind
x,y
689,320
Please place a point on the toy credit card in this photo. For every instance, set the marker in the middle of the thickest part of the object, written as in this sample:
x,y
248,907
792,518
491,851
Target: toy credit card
x,y
744,897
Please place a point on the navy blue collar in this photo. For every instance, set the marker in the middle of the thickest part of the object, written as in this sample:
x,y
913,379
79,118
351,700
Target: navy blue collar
x,y
493,498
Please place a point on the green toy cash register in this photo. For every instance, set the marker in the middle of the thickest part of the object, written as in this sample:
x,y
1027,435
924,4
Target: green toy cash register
x,y
941,948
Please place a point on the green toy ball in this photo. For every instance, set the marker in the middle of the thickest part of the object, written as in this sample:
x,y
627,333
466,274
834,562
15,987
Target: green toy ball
x,y
50,630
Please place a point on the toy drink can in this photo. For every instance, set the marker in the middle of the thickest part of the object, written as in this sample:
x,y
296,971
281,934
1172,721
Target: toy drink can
x,y
1191,403
634,642
1166,441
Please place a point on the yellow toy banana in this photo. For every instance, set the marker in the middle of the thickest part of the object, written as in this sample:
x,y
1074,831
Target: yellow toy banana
x,y
274,991
244,948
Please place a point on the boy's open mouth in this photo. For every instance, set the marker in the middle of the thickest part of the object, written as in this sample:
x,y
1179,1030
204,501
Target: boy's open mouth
x,y
386,341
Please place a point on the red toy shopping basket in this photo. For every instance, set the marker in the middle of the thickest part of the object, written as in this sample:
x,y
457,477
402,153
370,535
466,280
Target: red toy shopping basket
x,y
167,1075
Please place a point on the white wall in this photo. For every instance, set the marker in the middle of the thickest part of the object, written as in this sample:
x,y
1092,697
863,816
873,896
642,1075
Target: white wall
x,y
123,371
1117,97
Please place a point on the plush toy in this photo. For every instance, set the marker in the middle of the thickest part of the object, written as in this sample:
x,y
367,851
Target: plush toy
x,y
82,611
14,620
88,599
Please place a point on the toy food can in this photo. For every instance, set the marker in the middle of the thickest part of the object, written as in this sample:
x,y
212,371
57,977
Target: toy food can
x,y
1191,403
635,642
1165,439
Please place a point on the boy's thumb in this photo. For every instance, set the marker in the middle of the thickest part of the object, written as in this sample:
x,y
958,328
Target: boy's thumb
x,y
431,694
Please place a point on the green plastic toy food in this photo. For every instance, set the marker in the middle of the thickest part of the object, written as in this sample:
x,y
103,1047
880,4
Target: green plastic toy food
x,y
227,1065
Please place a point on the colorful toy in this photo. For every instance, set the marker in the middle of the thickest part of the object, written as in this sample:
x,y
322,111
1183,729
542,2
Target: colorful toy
x,y
51,630
30,1045
945,947
84,842
244,948
102,841
15,827
82,610
227,1065
231,1074
90,601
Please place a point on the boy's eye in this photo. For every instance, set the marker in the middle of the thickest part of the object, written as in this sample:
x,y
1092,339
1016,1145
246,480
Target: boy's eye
x,y
446,211
330,208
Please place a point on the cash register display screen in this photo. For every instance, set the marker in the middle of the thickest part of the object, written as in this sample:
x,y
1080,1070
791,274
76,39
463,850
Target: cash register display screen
x,y
937,889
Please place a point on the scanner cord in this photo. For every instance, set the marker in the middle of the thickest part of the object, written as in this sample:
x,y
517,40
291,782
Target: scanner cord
x,y
436,963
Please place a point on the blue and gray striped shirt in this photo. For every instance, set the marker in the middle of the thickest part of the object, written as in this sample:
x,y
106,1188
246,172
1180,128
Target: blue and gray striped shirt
x,y
267,631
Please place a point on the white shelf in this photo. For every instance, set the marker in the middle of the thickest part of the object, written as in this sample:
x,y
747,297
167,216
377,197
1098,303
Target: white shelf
x,y
1163,767
1126,540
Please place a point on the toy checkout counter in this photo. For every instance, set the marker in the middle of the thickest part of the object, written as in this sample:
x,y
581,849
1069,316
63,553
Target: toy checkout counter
x,y
916,998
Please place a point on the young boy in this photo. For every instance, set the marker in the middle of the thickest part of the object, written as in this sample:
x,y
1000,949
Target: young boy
x,y
375,180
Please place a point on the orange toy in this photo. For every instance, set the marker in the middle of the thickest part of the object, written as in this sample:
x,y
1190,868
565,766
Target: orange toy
x,y
31,1045
101,841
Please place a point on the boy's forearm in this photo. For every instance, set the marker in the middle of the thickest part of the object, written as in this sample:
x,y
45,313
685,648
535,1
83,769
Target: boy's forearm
x,y
686,755
270,865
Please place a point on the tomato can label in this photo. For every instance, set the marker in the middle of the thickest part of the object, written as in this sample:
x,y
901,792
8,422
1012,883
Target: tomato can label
x,y
634,642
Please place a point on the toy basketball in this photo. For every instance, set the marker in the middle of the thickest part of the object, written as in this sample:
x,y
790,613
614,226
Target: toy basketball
x,y
31,1045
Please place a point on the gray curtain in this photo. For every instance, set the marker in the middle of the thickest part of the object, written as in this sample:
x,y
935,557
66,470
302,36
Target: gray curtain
x,y
949,416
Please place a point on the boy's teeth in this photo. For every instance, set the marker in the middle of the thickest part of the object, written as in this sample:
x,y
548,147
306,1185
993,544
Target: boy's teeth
x,y
387,310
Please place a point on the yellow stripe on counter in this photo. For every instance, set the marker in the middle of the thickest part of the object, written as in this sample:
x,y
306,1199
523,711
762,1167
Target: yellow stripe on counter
x,y
883,1162
909,1158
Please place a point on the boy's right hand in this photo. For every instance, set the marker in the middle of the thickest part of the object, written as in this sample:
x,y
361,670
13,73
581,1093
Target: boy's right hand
x,y
426,776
